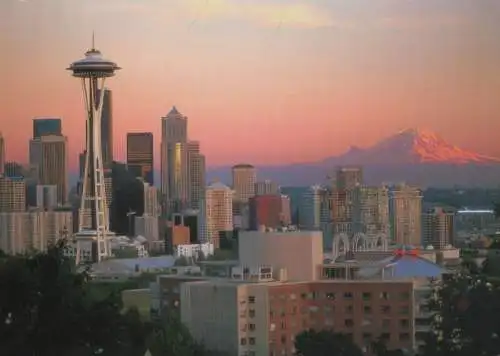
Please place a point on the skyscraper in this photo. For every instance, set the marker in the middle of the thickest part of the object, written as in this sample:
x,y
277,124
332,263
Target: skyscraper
x,y
140,155
106,126
267,187
12,194
2,154
46,126
405,207
438,227
49,155
244,177
349,177
182,166
219,211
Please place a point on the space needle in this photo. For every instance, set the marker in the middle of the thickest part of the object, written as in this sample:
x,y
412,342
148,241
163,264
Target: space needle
x,y
92,239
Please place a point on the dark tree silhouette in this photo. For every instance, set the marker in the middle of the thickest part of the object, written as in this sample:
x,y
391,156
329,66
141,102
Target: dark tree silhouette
x,y
325,343
46,310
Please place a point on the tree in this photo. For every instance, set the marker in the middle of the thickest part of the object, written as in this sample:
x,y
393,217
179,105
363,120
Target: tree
x,y
125,252
48,311
325,343
181,261
467,317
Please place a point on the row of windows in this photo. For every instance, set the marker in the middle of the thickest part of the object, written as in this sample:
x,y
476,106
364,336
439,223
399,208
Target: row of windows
x,y
328,309
348,323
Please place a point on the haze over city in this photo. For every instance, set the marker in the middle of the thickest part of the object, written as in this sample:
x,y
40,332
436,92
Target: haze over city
x,y
307,78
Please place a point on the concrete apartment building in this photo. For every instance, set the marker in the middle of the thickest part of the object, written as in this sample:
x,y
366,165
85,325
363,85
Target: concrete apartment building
x,y
438,228
281,286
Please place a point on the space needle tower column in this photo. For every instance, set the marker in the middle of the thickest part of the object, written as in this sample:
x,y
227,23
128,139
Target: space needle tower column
x,y
92,238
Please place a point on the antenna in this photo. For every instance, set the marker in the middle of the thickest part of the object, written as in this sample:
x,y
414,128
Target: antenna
x,y
93,40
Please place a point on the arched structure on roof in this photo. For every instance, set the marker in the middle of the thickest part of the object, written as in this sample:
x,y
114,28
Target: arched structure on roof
x,y
342,243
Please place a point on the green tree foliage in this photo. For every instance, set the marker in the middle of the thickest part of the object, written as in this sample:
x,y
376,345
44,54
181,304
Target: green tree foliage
x,y
467,317
325,343
126,252
45,310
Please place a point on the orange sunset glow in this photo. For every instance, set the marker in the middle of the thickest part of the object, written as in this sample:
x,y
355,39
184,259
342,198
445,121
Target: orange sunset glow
x,y
266,82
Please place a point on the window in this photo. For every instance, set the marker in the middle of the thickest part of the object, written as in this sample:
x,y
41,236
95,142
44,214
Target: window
x,y
303,295
404,337
349,309
251,313
330,296
283,325
404,323
347,295
243,341
294,310
293,296
251,341
366,296
367,309
251,327
404,310
384,295
283,339
386,309
404,296
251,299
282,312
349,323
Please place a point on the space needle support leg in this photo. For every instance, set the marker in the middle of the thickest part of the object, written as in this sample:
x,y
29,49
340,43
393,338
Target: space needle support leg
x,y
100,190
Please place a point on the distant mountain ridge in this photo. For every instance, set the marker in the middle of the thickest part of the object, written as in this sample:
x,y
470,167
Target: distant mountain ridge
x,y
414,156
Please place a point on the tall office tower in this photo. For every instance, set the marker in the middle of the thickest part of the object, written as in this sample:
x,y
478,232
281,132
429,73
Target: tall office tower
x,y
13,169
196,168
12,194
46,127
371,210
174,162
244,177
106,126
21,232
348,177
218,211
151,204
147,225
438,228
342,210
405,208
311,209
2,155
49,154
46,197
92,72
140,155
267,187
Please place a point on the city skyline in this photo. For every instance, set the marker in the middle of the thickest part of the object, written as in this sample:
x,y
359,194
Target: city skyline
x,y
364,71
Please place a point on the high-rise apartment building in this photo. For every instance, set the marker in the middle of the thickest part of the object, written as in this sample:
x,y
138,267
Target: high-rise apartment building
x,y
25,231
405,207
182,166
46,197
140,155
371,210
2,155
267,187
348,177
218,211
106,127
244,177
46,127
49,154
438,228
12,194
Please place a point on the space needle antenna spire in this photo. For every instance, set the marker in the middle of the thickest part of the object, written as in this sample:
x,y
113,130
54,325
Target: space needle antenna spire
x,y
93,237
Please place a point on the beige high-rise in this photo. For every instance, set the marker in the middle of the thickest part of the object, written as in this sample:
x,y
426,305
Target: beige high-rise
x,y
438,228
12,195
405,206
244,177
49,153
32,230
2,154
218,211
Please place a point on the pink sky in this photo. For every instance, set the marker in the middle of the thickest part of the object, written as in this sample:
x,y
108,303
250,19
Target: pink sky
x,y
278,82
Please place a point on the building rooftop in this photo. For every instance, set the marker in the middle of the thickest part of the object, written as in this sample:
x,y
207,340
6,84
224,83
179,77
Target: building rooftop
x,y
242,165
403,266
129,265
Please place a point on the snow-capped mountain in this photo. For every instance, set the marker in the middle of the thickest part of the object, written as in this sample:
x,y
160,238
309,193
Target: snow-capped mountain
x,y
413,146
413,156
